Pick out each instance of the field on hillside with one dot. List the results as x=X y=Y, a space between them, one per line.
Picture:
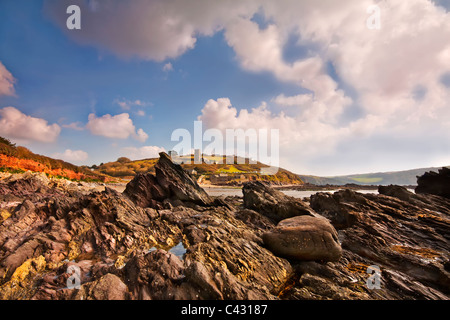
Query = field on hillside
x=237 y=172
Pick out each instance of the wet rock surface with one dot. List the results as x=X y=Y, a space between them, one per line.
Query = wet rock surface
x=123 y=245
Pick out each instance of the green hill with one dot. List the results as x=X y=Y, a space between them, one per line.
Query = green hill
x=406 y=178
x=208 y=172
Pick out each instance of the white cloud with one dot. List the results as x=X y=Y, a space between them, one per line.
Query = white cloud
x=261 y=50
x=7 y=82
x=119 y=127
x=141 y=135
x=127 y=104
x=76 y=156
x=145 y=152
x=294 y=132
x=168 y=67
x=150 y=30
x=23 y=128
x=298 y=100
x=78 y=126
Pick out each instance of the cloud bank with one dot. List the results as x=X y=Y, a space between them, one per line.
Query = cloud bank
x=363 y=92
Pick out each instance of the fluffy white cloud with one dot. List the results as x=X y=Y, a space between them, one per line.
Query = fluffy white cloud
x=119 y=127
x=23 y=128
x=145 y=152
x=293 y=131
x=69 y=155
x=141 y=135
x=7 y=82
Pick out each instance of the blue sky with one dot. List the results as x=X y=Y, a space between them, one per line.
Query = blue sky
x=297 y=75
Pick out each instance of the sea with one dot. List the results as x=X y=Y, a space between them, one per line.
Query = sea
x=230 y=191
x=217 y=191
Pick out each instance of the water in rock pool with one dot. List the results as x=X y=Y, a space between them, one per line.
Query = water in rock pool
x=179 y=250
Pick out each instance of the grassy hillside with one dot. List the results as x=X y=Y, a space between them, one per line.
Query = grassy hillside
x=17 y=159
x=407 y=177
x=236 y=173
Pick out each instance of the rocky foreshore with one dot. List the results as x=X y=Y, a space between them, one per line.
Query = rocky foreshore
x=164 y=237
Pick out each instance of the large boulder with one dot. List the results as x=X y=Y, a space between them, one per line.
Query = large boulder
x=272 y=203
x=170 y=182
x=435 y=183
x=304 y=238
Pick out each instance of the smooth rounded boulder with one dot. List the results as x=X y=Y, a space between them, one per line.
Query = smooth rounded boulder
x=304 y=238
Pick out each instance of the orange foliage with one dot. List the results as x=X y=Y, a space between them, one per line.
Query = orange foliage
x=31 y=165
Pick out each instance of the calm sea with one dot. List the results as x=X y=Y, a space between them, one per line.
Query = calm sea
x=293 y=193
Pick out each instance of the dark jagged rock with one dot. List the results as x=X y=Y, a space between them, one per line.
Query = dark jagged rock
x=171 y=182
x=158 y=275
x=26 y=185
x=178 y=183
x=331 y=207
x=396 y=191
x=304 y=238
x=145 y=191
x=435 y=183
x=272 y=203
x=405 y=234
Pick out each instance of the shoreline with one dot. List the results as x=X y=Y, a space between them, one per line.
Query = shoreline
x=308 y=187
x=120 y=186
